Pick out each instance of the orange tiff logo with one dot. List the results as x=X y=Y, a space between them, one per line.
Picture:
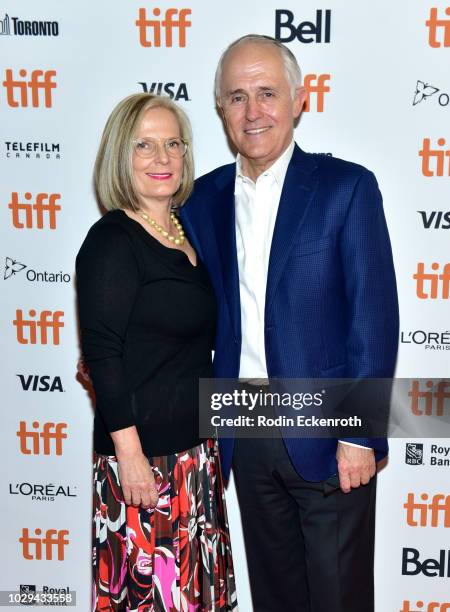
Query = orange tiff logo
x=34 y=547
x=426 y=513
x=420 y=606
x=150 y=29
x=315 y=85
x=438 y=29
x=33 y=214
x=433 y=400
x=48 y=321
x=434 y=160
x=429 y=283
x=51 y=435
x=39 y=81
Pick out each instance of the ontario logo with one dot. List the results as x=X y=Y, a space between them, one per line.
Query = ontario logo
x=424 y=91
x=13 y=267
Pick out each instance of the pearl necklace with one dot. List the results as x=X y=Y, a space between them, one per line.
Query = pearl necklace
x=179 y=240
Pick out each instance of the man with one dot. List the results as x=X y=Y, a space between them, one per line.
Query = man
x=298 y=251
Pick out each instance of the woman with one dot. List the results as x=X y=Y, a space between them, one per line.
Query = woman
x=147 y=318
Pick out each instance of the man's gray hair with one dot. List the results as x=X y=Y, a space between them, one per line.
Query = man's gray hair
x=293 y=72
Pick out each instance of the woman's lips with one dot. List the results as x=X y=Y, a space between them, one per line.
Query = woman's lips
x=159 y=176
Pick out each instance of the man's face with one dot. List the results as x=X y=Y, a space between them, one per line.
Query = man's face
x=257 y=105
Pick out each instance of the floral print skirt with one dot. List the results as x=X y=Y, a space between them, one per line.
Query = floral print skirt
x=175 y=557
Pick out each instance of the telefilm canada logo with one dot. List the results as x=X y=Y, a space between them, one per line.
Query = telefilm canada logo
x=16 y=26
x=14 y=267
x=175 y=91
x=22 y=149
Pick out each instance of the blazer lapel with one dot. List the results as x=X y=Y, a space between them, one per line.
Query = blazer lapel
x=223 y=217
x=298 y=190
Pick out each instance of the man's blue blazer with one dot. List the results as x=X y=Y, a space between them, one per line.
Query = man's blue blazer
x=331 y=300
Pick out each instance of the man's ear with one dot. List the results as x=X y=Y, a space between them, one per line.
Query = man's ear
x=222 y=112
x=300 y=97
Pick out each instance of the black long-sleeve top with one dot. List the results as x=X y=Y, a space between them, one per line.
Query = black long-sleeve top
x=147 y=319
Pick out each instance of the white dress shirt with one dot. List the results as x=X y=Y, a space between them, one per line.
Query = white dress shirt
x=256 y=210
x=256 y=206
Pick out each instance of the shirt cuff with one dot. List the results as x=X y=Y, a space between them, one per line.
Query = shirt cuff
x=351 y=444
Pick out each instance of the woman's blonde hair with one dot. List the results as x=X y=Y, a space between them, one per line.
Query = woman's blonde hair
x=113 y=174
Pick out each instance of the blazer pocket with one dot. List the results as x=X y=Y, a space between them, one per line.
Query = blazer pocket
x=313 y=246
x=335 y=371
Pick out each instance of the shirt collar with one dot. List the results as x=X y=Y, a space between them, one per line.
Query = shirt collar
x=278 y=169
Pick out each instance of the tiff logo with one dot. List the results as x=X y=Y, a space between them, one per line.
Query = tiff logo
x=438 y=156
x=44 y=205
x=426 y=402
x=315 y=85
x=168 y=24
x=34 y=547
x=438 y=26
x=428 y=514
x=39 y=81
x=48 y=321
x=433 y=606
x=432 y=280
x=52 y=434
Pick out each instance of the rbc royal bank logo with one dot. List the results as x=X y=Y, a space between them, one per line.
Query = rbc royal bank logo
x=158 y=31
x=414 y=453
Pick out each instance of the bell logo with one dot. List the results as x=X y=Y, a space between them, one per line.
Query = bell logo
x=305 y=32
x=315 y=85
x=50 y=432
x=439 y=167
x=48 y=320
x=33 y=547
x=420 y=606
x=438 y=29
x=431 y=568
x=39 y=81
x=43 y=207
x=168 y=24
x=434 y=403
x=434 y=513
x=431 y=281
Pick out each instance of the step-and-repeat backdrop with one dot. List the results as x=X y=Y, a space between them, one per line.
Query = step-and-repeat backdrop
x=379 y=88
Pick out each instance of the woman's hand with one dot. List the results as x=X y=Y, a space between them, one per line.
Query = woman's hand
x=137 y=481
x=83 y=370
x=135 y=474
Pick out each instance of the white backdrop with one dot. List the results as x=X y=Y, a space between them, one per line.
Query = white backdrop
x=371 y=61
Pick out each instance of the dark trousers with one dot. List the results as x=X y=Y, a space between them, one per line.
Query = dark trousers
x=306 y=551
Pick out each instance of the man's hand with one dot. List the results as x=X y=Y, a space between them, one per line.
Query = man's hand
x=356 y=466
x=137 y=481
